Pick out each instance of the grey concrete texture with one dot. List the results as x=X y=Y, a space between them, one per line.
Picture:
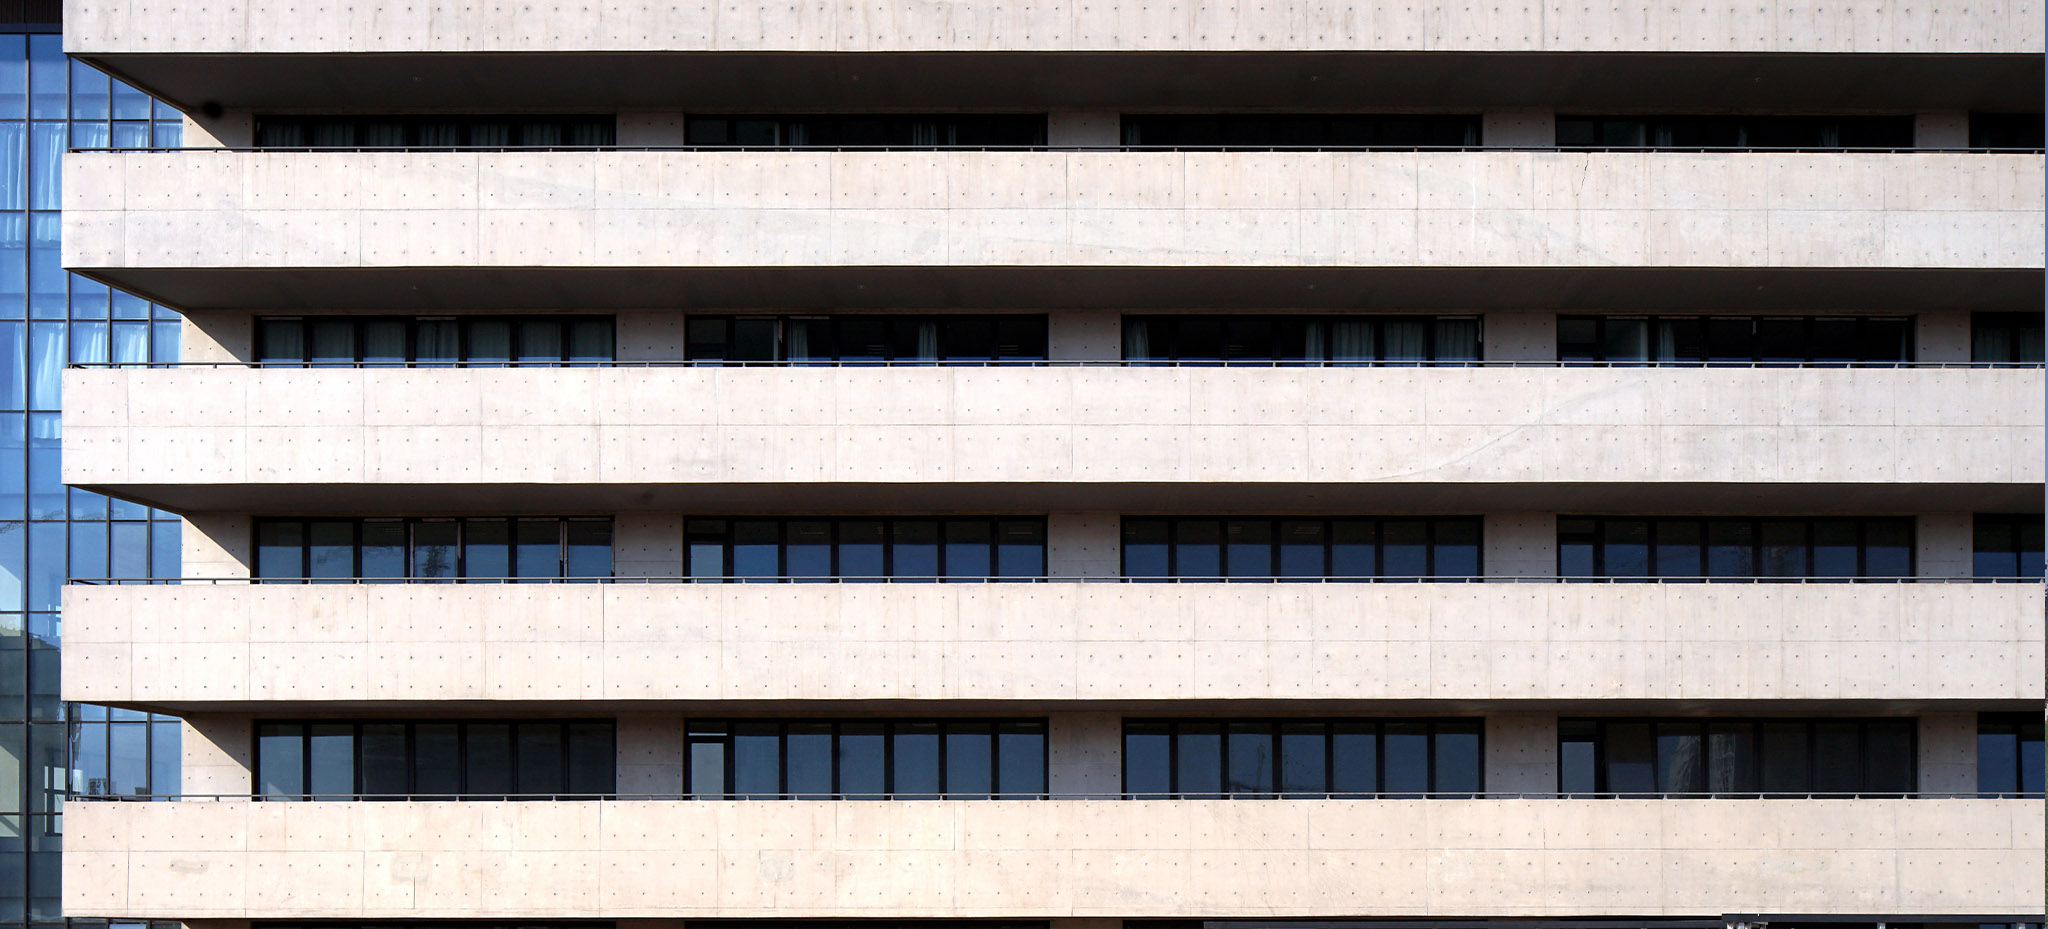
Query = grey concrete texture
x=140 y=26
x=1060 y=425
x=1073 y=209
x=199 y=646
x=1038 y=859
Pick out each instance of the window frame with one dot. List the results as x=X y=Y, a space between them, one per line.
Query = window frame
x=462 y=773
x=1758 y=765
x=466 y=326
x=411 y=524
x=1756 y=356
x=1567 y=537
x=2027 y=727
x=1435 y=527
x=1038 y=350
x=698 y=732
x=888 y=545
x=1169 y=326
x=1276 y=730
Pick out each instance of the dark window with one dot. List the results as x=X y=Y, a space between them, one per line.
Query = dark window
x=1222 y=547
x=397 y=549
x=966 y=548
x=430 y=342
x=436 y=131
x=866 y=759
x=2009 y=754
x=893 y=130
x=1686 y=132
x=2006 y=130
x=1734 y=547
x=934 y=338
x=1300 y=130
x=1736 y=757
x=1302 y=757
x=391 y=760
x=2007 y=546
x=1302 y=339
x=2005 y=338
x=1838 y=340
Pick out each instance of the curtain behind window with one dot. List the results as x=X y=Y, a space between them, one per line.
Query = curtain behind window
x=1457 y=340
x=1406 y=340
x=1351 y=340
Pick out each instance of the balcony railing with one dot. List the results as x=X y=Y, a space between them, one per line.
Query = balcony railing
x=983 y=579
x=1062 y=363
x=1490 y=149
x=1103 y=797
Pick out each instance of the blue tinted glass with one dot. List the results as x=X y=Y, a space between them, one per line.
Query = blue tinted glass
x=861 y=754
x=1303 y=754
x=860 y=549
x=486 y=548
x=13 y=77
x=1404 y=548
x=89 y=549
x=1144 y=548
x=130 y=306
x=13 y=565
x=1148 y=764
x=130 y=342
x=13 y=467
x=1251 y=758
x=128 y=135
x=87 y=505
x=13 y=386
x=163 y=341
x=168 y=134
x=914 y=548
x=1354 y=759
x=88 y=91
x=13 y=245
x=756 y=549
x=1457 y=758
x=45 y=364
x=1200 y=766
x=130 y=103
x=915 y=760
x=756 y=759
x=88 y=342
x=809 y=756
x=1406 y=748
x=47 y=142
x=1197 y=549
x=45 y=565
x=46 y=67
x=1997 y=759
x=1020 y=758
x=164 y=775
x=809 y=549
x=129 y=551
x=45 y=481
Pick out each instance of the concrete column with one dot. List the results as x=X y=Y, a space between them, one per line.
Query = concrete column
x=1521 y=753
x=1519 y=335
x=1084 y=753
x=1941 y=337
x=215 y=335
x=1518 y=128
x=650 y=754
x=647 y=545
x=1944 y=542
x=216 y=754
x=648 y=335
x=231 y=129
x=1519 y=545
x=1082 y=545
x=1083 y=129
x=217 y=545
x=1947 y=129
x=1948 y=753
x=1084 y=335
x=651 y=129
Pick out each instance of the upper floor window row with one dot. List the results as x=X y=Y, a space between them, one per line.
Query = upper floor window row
x=2009 y=754
x=1213 y=548
x=1272 y=338
x=1734 y=131
x=1302 y=757
x=1736 y=339
x=866 y=759
x=869 y=130
x=434 y=341
x=2006 y=130
x=394 y=759
x=1734 y=547
x=393 y=550
x=1737 y=756
x=2006 y=338
x=2007 y=545
x=435 y=131
x=866 y=548
x=931 y=338
x=1301 y=130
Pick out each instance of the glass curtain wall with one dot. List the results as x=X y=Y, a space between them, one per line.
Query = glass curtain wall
x=48 y=318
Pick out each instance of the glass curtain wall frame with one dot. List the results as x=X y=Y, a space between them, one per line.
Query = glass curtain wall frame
x=48 y=533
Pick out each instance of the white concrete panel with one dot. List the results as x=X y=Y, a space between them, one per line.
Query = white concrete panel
x=753 y=209
x=187 y=645
x=1026 y=859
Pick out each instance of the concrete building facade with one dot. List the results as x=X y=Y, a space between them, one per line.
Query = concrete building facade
x=1073 y=466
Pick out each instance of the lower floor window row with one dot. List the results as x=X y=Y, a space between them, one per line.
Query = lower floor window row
x=1302 y=757
x=1737 y=756
x=391 y=759
x=866 y=759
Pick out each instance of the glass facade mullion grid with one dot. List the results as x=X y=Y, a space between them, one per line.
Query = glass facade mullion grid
x=48 y=532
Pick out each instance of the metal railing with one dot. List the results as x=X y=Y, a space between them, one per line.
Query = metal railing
x=1566 y=149
x=565 y=796
x=1046 y=363
x=990 y=579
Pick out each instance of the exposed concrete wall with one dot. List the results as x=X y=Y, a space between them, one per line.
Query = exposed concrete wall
x=1083 y=545
x=1037 y=859
x=647 y=545
x=218 y=753
x=1942 y=337
x=1084 y=335
x=214 y=335
x=1082 y=426
x=1519 y=545
x=649 y=335
x=1084 y=128
x=118 y=26
x=1518 y=128
x=1084 y=753
x=1941 y=130
x=651 y=128
x=217 y=545
x=1948 y=753
x=1946 y=543
x=186 y=645
x=1519 y=335
x=1038 y=209
x=1521 y=753
x=650 y=754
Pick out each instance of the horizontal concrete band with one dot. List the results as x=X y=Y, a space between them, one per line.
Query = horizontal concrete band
x=796 y=426
x=137 y=26
x=240 y=860
x=194 y=646
x=230 y=210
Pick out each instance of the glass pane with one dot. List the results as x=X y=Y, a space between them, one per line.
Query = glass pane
x=1887 y=548
x=1199 y=769
x=332 y=550
x=331 y=340
x=914 y=548
x=1456 y=552
x=437 y=759
x=541 y=767
x=590 y=548
x=1354 y=758
x=707 y=768
x=1145 y=548
x=862 y=761
x=280 y=759
x=540 y=340
x=1888 y=757
x=1197 y=548
x=1678 y=548
x=1251 y=758
x=1406 y=748
x=1301 y=545
x=1784 y=549
x=1248 y=548
x=1784 y=752
x=1838 y=757
x=489 y=341
x=860 y=549
x=1680 y=767
x=433 y=549
x=383 y=548
x=1578 y=756
x=487 y=759
x=1354 y=548
x=809 y=750
x=385 y=772
x=1731 y=757
x=486 y=548
x=1148 y=759
x=915 y=761
x=1457 y=765
x=590 y=340
x=1834 y=548
x=384 y=341
x=1020 y=759
x=281 y=340
x=756 y=760
x=968 y=548
x=1625 y=548
x=592 y=759
x=539 y=547
x=1404 y=548
x=280 y=549
x=1631 y=758
x=1303 y=756
x=970 y=759
x=1731 y=548
x=1020 y=548
x=331 y=763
